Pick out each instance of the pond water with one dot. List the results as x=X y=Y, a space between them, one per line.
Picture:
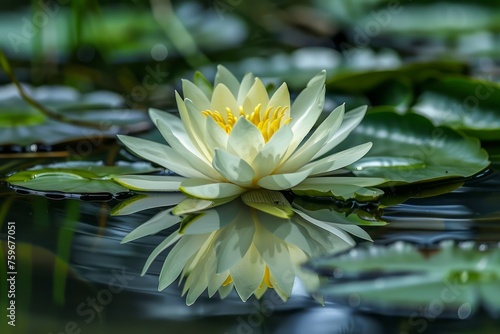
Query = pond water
x=74 y=276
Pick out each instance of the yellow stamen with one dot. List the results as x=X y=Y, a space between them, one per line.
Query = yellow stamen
x=268 y=122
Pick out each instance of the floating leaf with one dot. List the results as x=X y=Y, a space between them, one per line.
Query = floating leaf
x=22 y=124
x=363 y=82
x=452 y=281
x=408 y=148
x=471 y=106
x=77 y=177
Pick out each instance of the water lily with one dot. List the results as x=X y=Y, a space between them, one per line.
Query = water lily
x=232 y=137
x=235 y=246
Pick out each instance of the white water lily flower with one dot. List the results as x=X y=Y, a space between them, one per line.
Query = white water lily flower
x=234 y=137
x=236 y=246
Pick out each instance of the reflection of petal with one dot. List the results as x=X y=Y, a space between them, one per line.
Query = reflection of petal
x=205 y=189
x=143 y=202
x=247 y=275
x=328 y=227
x=235 y=245
x=178 y=256
x=275 y=252
x=160 y=221
x=234 y=241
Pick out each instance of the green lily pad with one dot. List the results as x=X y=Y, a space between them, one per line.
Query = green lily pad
x=366 y=81
x=452 y=281
x=77 y=177
x=471 y=106
x=408 y=148
x=22 y=124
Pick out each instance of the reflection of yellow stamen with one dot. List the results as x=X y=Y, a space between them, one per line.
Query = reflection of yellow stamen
x=268 y=123
x=228 y=281
x=267 y=278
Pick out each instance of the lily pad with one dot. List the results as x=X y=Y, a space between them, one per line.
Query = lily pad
x=408 y=148
x=471 y=106
x=22 y=124
x=366 y=81
x=77 y=177
x=452 y=281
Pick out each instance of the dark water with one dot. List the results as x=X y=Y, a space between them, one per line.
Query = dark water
x=73 y=276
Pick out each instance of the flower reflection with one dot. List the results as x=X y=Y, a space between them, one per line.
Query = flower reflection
x=248 y=248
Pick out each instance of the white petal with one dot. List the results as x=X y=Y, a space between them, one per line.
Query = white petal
x=351 y=120
x=338 y=160
x=295 y=162
x=245 y=86
x=176 y=126
x=158 y=222
x=271 y=155
x=281 y=98
x=310 y=147
x=216 y=136
x=271 y=202
x=150 y=182
x=203 y=84
x=197 y=129
x=195 y=94
x=194 y=123
x=283 y=181
x=245 y=140
x=160 y=154
x=256 y=95
x=196 y=161
x=224 y=76
x=205 y=189
x=233 y=168
x=306 y=109
x=223 y=99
